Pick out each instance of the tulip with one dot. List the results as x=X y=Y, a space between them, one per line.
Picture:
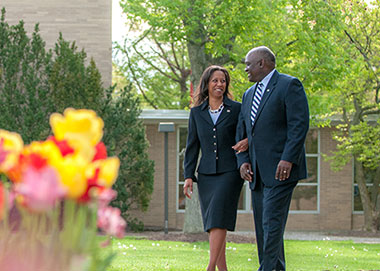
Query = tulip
x=11 y=145
x=105 y=171
x=81 y=128
x=40 y=189
x=2 y=199
x=105 y=196
x=71 y=170
x=3 y=152
x=111 y=222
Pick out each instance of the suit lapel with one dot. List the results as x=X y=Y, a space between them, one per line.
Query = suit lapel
x=267 y=93
x=205 y=114
x=225 y=112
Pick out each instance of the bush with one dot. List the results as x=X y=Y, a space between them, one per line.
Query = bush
x=125 y=138
x=25 y=93
x=35 y=82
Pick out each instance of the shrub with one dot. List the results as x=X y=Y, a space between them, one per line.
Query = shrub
x=35 y=82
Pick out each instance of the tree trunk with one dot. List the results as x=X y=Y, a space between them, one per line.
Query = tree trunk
x=196 y=43
x=376 y=198
x=198 y=62
x=193 y=217
x=370 y=218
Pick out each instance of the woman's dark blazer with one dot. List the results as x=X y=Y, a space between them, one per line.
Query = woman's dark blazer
x=214 y=141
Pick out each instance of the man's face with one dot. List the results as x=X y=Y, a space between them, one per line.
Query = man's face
x=253 y=66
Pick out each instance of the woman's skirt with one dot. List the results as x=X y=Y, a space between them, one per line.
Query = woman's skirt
x=219 y=196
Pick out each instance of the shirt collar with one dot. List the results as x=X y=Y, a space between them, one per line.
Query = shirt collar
x=266 y=79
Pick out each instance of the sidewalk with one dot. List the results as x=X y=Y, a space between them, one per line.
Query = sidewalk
x=249 y=236
x=325 y=236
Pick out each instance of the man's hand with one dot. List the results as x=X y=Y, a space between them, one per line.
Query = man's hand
x=241 y=146
x=246 y=172
x=188 y=187
x=283 y=170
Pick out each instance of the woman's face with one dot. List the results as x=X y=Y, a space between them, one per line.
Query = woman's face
x=217 y=85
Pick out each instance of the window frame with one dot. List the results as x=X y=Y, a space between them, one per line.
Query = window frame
x=180 y=180
x=318 y=183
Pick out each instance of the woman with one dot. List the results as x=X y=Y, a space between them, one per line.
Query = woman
x=212 y=128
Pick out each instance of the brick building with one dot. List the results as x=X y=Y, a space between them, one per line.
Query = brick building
x=327 y=200
x=87 y=22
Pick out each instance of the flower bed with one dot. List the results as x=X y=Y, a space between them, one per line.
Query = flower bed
x=61 y=190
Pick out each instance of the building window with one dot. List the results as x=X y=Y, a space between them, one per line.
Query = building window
x=306 y=194
x=305 y=197
x=181 y=147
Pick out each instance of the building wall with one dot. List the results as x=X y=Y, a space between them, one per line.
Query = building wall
x=87 y=22
x=335 y=211
x=154 y=217
x=335 y=195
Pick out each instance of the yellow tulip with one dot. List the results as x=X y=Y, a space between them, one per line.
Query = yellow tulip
x=46 y=149
x=13 y=145
x=108 y=171
x=72 y=169
x=82 y=128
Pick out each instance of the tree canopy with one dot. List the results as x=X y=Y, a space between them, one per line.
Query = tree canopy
x=332 y=46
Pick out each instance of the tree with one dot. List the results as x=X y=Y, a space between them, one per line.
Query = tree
x=360 y=102
x=125 y=137
x=213 y=31
x=350 y=28
x=330 y=45
x=159 y=70
x=25 y=94
x=35 y=83
x=72 y=82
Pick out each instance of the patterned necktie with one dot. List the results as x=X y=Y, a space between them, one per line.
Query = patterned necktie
x=256 y=101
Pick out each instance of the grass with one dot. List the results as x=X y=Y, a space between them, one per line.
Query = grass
x=141 y=254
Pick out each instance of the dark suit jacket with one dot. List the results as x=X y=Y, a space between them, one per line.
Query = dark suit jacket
x=214 y=141
x=279 y=130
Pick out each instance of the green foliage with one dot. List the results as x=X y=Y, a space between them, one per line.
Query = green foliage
x=73 y=83
x=363 y=142
x=125 y=137
x=222 y=32
x=158 y=69
x=135 y=225
x=25 y=103
x=35 y=83
x=348 y=64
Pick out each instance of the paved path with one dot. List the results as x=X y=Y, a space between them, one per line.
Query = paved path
x=323 y=236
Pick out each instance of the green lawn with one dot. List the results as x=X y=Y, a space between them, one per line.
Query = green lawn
x=142 y=254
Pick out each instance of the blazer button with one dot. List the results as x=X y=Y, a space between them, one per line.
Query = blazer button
x=214 y=150
x=214 y=136
x=214 y=143
x=216 y=158
x=214 y=129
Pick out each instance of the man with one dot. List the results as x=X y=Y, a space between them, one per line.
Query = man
x=275 y=118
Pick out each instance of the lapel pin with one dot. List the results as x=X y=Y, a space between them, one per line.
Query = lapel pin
x=228 y=110
x=268 y=90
